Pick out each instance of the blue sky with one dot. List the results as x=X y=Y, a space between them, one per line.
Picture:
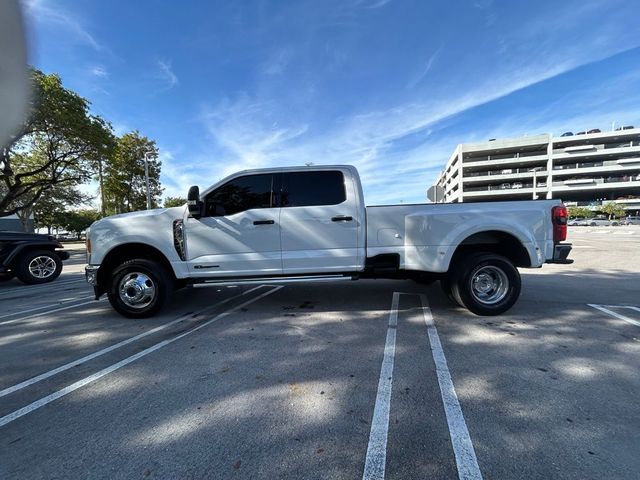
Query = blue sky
x=391 y=86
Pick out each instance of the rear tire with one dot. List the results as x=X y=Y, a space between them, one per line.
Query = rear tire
x=445 y=285
x=38 y=266
x=139 y=288
x=486 y=283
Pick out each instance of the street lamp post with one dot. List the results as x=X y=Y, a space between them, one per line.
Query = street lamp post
x=146 y=177
x=535 y=171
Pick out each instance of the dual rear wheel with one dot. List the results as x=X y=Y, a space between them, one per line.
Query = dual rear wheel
x=484 y=283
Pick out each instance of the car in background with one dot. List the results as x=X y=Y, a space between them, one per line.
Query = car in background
x=567 y=134
x=631 y=220
x=66 y=236
x=594 y=130
x=578 y=222
x=31 y=257
x=581 y=133
x=516 y=185
x=601 y=221
x=625 y=127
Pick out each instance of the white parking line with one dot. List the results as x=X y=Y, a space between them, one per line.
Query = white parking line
x=465 y=454
x=92 y=378
x=615 y=314
x=35 y=315
x=42 y=307
x=106 y=350
x=376 y=459
x=375 y=462
x=629 y=307
x=31 y=288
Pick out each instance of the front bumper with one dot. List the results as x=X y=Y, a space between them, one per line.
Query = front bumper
x=64 y=255
x=560 y=253
x=91 y=274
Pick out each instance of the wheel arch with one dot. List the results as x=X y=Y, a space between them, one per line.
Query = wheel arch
x=494 y=241
x=129 y=251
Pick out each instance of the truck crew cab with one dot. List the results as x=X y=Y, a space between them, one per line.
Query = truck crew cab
x=311 y=224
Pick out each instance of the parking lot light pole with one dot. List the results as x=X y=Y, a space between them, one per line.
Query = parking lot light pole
x=146 y=177
x=535 y=171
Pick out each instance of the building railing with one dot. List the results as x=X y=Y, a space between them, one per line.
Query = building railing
x=504 y=156
x=599 y=180
x=597 y=147
x=506 y=186
x=504 y=171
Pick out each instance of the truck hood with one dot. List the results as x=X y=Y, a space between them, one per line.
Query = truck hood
x=153 y=228
x=132 y=217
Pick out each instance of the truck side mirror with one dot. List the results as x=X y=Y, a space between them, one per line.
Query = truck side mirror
x=193 y=202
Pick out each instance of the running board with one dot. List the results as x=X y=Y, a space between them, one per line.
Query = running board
x=271 y=280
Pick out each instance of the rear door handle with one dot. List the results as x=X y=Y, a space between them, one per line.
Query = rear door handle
x=341 y=218
x=263 y=222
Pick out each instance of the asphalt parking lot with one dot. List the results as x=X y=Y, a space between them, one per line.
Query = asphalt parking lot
x=367 y=379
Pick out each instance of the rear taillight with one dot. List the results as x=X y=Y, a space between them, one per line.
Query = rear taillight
x=559 y=218
x=88 y=243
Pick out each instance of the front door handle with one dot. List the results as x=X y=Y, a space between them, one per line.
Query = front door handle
x=341 y=218
x=263 y=222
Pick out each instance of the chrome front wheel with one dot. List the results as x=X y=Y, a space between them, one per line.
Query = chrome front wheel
x=137 y=290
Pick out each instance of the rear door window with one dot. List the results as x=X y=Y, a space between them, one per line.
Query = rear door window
x=303 y=189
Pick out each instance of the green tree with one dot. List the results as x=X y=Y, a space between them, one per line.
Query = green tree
x=50 y=210
x=57 y=146
x=124 y=175
x=174 y=202
x=613 y=210
x=77 y=221
x=579 y=212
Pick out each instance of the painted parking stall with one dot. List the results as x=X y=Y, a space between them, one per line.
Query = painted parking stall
x=370 y=379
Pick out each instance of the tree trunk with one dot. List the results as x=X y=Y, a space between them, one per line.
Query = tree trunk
x=24 y=215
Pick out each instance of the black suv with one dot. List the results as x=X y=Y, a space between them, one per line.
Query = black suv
x=31 y=257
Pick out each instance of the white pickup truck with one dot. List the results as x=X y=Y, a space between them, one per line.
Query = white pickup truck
x=311 y=224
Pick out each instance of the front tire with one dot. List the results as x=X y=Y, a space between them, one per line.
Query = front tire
x=486 y=283
x=38 y=266
x=139 y=288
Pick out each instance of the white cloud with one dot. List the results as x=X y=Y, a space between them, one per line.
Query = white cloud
x=417 y=79
x=248 y=133
x=166 y=73
x=251 y=133
x=278 y=61
x=43 y=12
x=98 y=71
x=377 y=3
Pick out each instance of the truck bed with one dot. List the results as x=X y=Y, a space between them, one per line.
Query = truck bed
x=422 y=234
